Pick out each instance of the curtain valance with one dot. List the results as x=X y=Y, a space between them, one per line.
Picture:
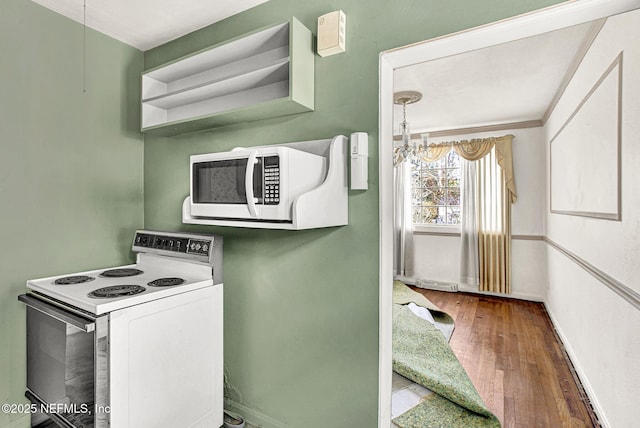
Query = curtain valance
x=475 y=149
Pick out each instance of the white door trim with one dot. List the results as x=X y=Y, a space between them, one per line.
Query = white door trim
x=537 y=22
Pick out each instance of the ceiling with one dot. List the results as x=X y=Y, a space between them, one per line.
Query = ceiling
x=507 y=83
x=145 y=24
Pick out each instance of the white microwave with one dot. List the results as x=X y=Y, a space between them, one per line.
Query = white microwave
x=253 y=184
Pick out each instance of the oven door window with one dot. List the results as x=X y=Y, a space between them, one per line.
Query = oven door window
x=60 y=367
x=223 y=182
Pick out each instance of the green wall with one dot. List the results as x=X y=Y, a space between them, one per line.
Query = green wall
x=70 y=163
x=301 y=308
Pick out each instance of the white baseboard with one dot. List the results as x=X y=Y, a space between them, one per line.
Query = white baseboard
x=579 y=370
x=450 y=287
x=252 y=416
x=514 y=295
x=429 y=284
x=405 y=279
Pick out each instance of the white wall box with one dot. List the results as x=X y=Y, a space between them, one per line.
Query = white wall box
x=332 y=33
x=267 y=73
x=325 y=206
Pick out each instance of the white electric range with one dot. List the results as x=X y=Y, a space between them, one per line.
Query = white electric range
x=131 y=346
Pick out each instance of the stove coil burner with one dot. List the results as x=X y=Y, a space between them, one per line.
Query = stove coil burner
x=166 y=282
x=120 y=273
x=116 y=291
x=77 y=279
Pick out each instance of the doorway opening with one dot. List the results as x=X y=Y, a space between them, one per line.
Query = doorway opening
x=528 y=25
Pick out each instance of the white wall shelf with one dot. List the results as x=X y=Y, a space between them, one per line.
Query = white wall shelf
x=325 y=206
x=265 y=74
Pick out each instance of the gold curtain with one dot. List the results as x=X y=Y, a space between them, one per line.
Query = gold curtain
x=474 y=149
x=494 y=224
x=504 y=157
x=433 y=152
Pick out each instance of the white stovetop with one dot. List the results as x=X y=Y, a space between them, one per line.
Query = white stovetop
x=154 y=267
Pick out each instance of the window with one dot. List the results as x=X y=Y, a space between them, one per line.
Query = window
x=435 y=190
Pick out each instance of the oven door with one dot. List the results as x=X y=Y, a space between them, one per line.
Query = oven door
x=62 y=358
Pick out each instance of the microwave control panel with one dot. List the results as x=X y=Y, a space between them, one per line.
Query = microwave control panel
x=271 y=180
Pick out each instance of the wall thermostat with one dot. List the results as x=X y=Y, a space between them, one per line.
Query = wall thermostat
x=332 y=33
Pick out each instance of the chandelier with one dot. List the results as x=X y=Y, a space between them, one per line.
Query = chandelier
x=408 y=148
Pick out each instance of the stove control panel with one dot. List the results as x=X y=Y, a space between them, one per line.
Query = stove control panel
x=193 y=247
x=176 y=244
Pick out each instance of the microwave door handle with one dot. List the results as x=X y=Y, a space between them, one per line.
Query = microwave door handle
x=248 y=184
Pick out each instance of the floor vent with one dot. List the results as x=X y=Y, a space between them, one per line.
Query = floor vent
x=437 y=285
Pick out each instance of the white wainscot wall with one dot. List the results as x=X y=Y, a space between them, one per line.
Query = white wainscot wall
x=438 y=258
x=600 y=332
x=611 y=246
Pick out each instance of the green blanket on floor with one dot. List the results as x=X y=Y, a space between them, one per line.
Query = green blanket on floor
x=421 y=354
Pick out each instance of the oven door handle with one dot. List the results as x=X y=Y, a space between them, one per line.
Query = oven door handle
x=58 y=313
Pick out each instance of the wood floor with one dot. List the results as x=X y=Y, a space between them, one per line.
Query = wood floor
x=515 y=360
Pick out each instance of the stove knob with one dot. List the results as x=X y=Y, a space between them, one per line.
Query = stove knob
x=198 y=246
x=205 y=248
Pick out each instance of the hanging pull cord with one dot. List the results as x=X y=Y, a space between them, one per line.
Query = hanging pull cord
x=84 y=46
